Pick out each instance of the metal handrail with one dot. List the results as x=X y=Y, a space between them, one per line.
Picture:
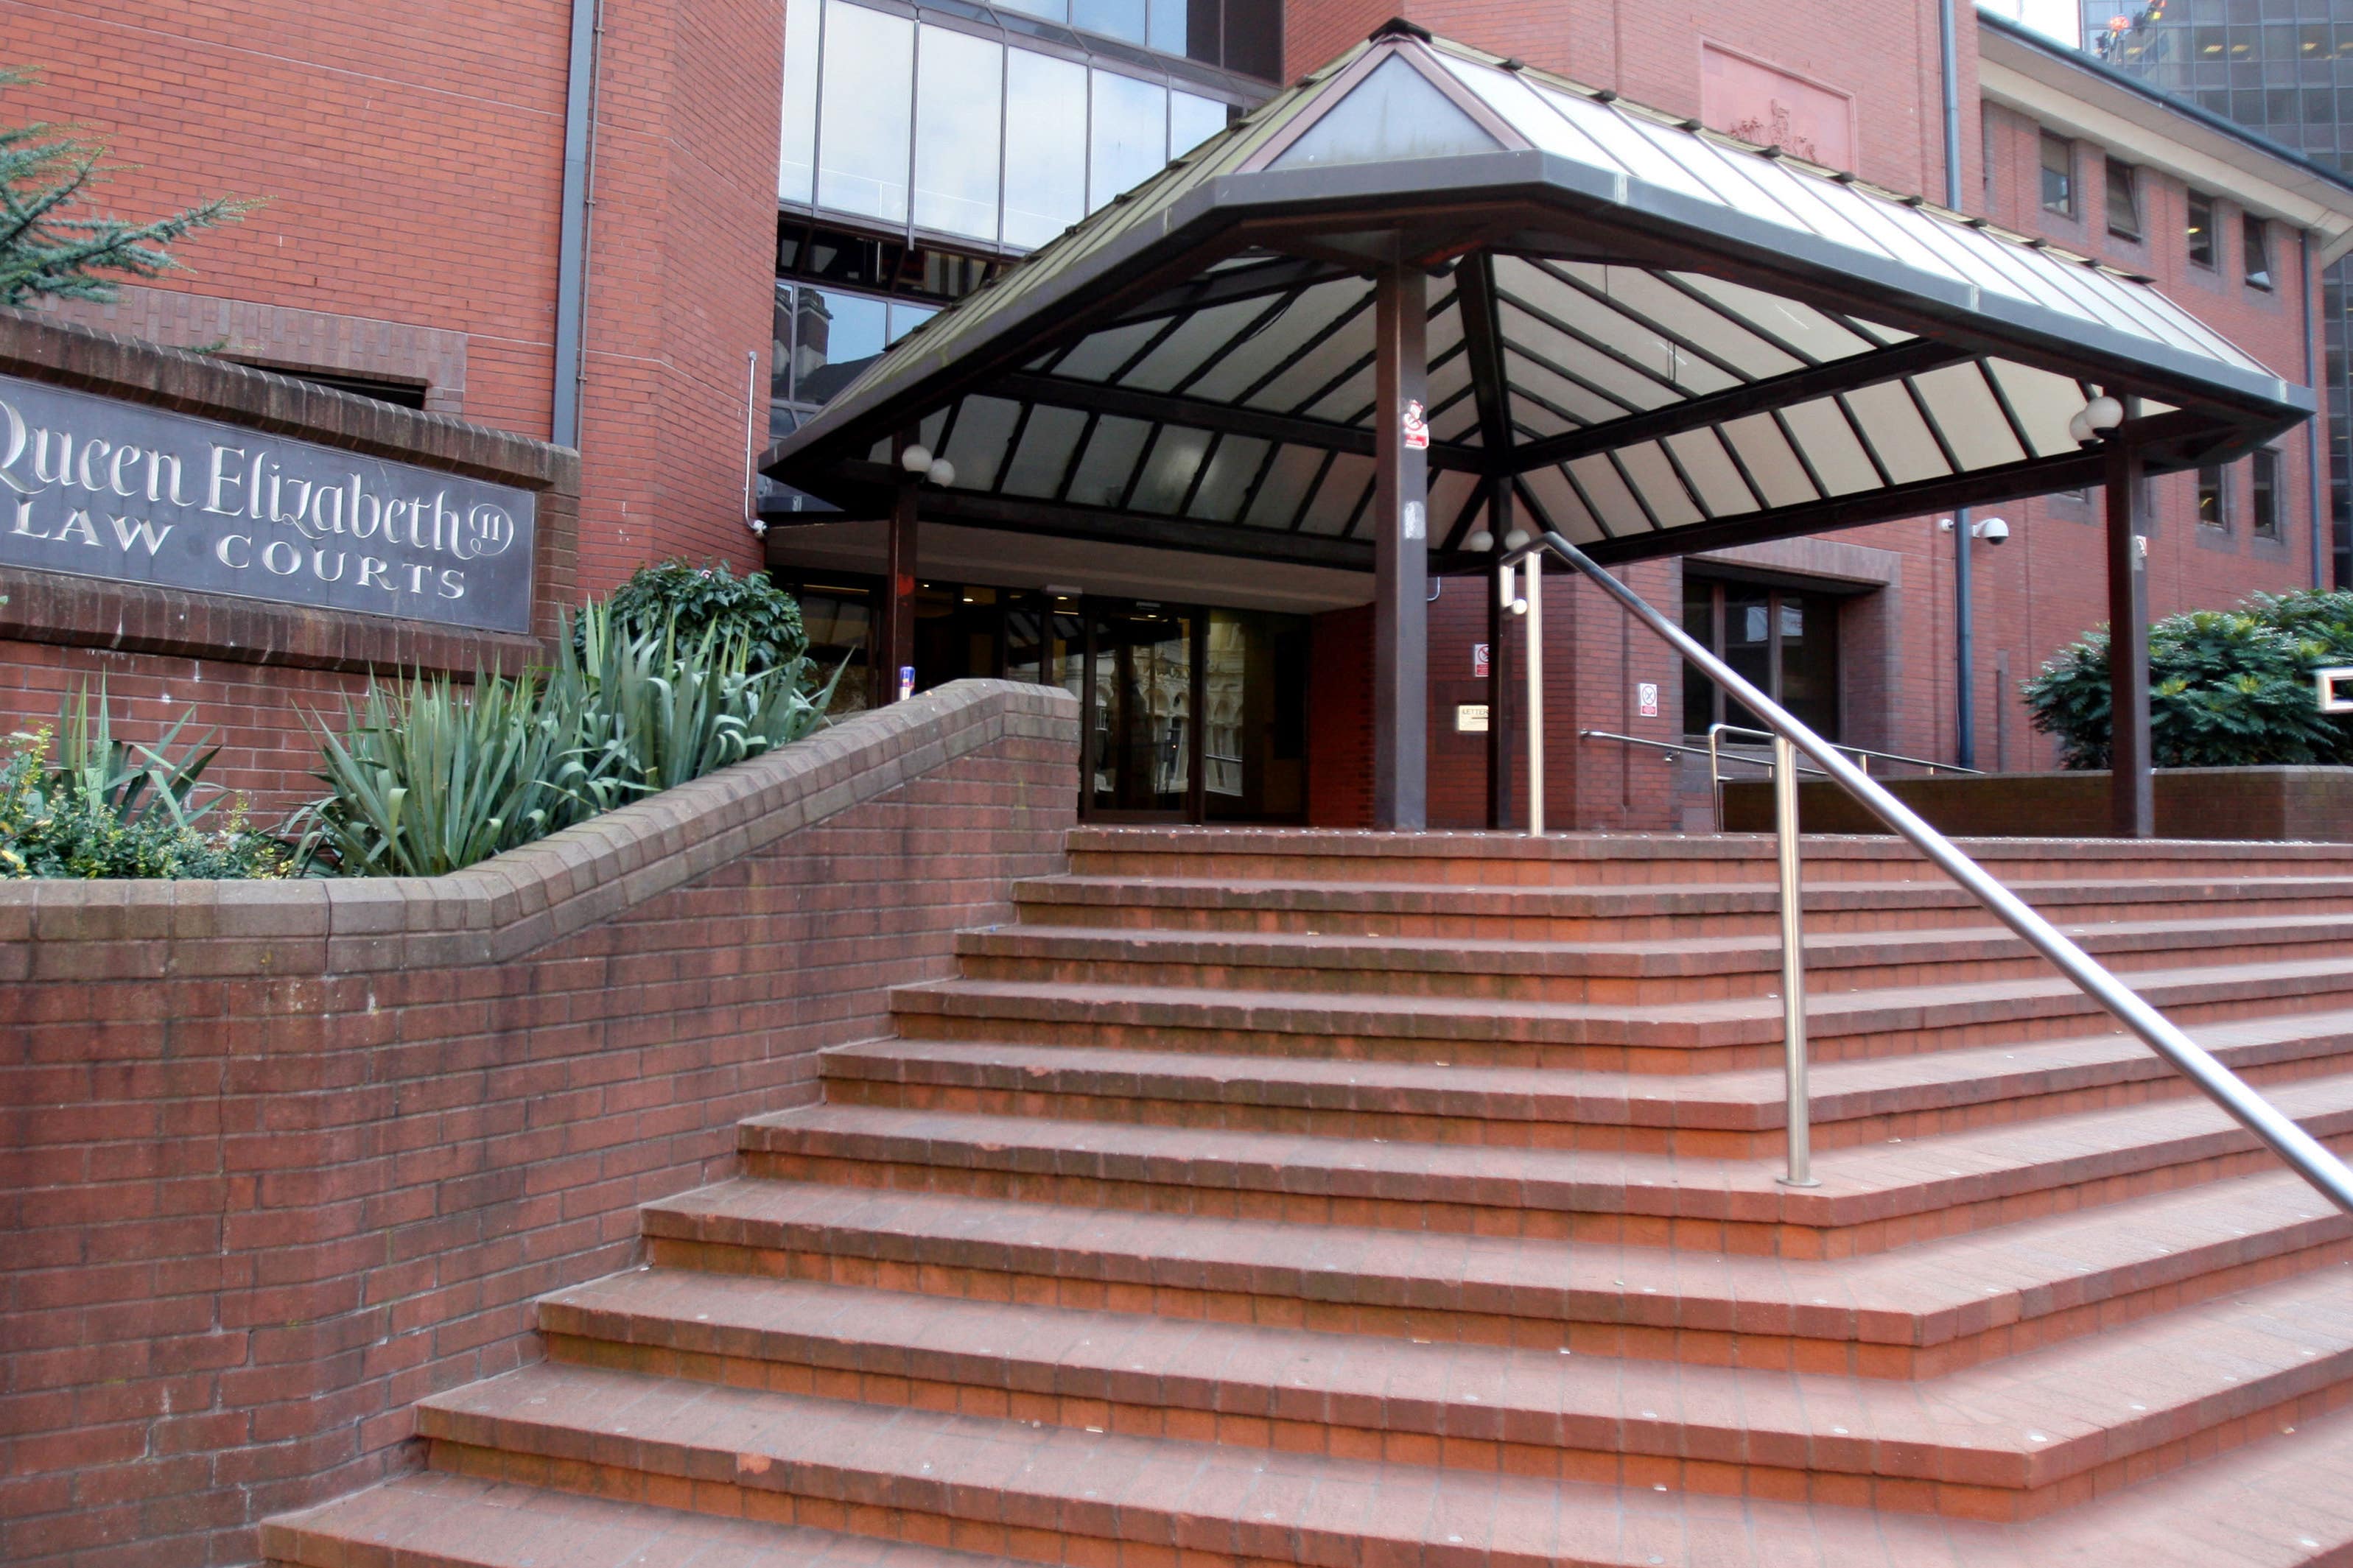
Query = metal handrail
x=2304 y=1153
x=1766 y=735
x=1687 y=751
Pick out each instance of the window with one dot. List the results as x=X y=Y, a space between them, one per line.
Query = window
x=2265 y=468
x=959 y=102
x=2058 y=174
x=2201 y=229
x=1778 y=638
x=2255 y=244
x=1045 y=147
x=2213 y=497
x=824 y=337
x=866 y=113
x=2124 y=202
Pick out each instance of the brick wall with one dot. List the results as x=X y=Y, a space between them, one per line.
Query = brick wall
x=423 y=192
x=282 y=1158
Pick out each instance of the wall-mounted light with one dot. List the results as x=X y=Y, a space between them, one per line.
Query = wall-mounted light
x=917 y=459
x=1481 y=542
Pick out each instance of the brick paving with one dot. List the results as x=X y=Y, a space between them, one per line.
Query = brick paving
x=1327 y=1198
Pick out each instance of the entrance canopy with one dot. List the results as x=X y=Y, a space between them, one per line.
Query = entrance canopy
x=1653 y=338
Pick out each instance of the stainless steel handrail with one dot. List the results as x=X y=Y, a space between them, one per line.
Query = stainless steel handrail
x=1687 y=751
x=2303 y=1152
x=1766 y=736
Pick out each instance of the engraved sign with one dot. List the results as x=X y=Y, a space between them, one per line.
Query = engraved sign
x=134 y=493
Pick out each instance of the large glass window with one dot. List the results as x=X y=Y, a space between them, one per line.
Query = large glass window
x=824 y=337
x=1045 y=147
x=1113 y=18
x=1781 y=641
x=1128 y=135
x=959 y=102
x=865 y=114
x=1192 y=120
x=796 y=153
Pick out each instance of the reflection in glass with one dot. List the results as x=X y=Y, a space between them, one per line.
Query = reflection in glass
x=959 y=97
x=1253 y=716
x=1128 y=139
x=1167 y=32
x=837 y=334
x=1046 y=10
x=1045 y=147
x=798 y=145
x=1192 y=120
x=1143 y=718
x=866 y=116
x=1114 y=19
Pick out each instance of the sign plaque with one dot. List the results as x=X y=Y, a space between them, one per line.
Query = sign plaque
x=134 y=493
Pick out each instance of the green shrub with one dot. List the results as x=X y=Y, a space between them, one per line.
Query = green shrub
x=106 y=808
x=695 y=599
x=2227 y=688
x=431 y=775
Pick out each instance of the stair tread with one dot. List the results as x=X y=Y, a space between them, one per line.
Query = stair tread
x=1313 y=1509
x=2027 y=1420
x=1928 y=1293
x=1858 y=1182
x=1676 y=953
x=1852 y=1087
x=464 y=1522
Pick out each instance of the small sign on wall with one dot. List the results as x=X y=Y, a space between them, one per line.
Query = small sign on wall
x=1646 y=698
x=1479 y=656
x=1470 y=718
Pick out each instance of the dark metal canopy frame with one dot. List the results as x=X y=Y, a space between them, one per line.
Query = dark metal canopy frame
x=1427 y=289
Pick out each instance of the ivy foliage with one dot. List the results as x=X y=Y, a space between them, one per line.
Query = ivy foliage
x=2227 y=688
x=46 y=250
x=103 y=808
x=692 y=600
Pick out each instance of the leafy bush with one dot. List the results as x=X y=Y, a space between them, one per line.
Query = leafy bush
x=693 y=600
x=429 y=776
x=2227 y=688
x=107 y=809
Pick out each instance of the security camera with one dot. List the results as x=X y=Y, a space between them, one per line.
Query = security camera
x=1993 y=530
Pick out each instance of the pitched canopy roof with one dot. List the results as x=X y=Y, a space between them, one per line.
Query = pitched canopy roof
x=1664 y=339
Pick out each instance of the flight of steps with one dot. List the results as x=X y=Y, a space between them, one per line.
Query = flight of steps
x=1296 y=1197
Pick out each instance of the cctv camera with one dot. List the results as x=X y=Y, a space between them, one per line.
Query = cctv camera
x=1993 y=530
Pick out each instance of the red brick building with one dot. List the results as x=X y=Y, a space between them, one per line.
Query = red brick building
x=411 y=247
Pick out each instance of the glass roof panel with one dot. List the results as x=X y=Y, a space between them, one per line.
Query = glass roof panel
x=1688 y=319
x=1348 y=402
x=1526 y=112
x=1110 y=459
x=1656 y=354
x=1168 y=469
x=1570 y=403
x=1645 y=464
x=1280 y=493
x=1627 y=147
x=1762 y=449
x=2045 y=402
x=1906 y=447
x=1345 y=484
x=1828 y=442
x=1966 y=416
x=1450 y=492
x=1545 y=342
x=1044 y=454
x=1798 y=329
x=1550 y=490
x=1394 y=113
x=1096 y=355
x=1307 y=376
x=1450 y=380
x=1280 y=338
x=1203 y=333
x=976 y=445
x=1722 y=174
x=1712 y=472
x=1232 y=468
x=1612 y=501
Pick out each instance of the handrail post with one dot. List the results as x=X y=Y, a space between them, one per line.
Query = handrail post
x=1715 y=774
x=1533 y=592
x=1793 y=963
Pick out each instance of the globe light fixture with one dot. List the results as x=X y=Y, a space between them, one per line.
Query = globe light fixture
x=1514 y=539
x=940 y=472
x=1480 y=543
x=916 y=458
x=2103 y=413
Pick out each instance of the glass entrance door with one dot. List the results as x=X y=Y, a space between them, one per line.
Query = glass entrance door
x=1144 y=749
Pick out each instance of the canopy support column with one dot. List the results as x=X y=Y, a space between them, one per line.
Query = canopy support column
x=1499 y=686
x=2131 y=794
x=1401 y=551
x=894 y=670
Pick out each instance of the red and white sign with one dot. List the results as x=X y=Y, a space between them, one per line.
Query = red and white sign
x=1417 y=425
x=1479 y=661
x=1646 y=698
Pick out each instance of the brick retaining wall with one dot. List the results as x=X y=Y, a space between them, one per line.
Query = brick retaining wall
x=283 y=1157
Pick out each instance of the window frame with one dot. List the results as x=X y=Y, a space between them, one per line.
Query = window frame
x=2068 y=203
x=2214 y=478
x=2120 y=174
x=2192 y=231
x=2255 y=250
x=2267 y=509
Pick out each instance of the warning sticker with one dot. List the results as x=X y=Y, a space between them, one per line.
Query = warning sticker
x=1417 y=425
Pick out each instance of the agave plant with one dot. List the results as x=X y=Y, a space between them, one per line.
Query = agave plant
x=432 y=775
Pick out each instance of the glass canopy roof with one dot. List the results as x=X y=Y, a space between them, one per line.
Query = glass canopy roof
x=1660 y=338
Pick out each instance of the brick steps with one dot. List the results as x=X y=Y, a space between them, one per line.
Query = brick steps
x=1700 y=1036
x=2004 y=1440
x=440 y=1520
x=1728 y=1115
x=1630 y=913
x=1666 y=969
x=1921 y=1311
x=1868 y=1197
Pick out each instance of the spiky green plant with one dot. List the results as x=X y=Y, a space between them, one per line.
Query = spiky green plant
x=430 y=776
